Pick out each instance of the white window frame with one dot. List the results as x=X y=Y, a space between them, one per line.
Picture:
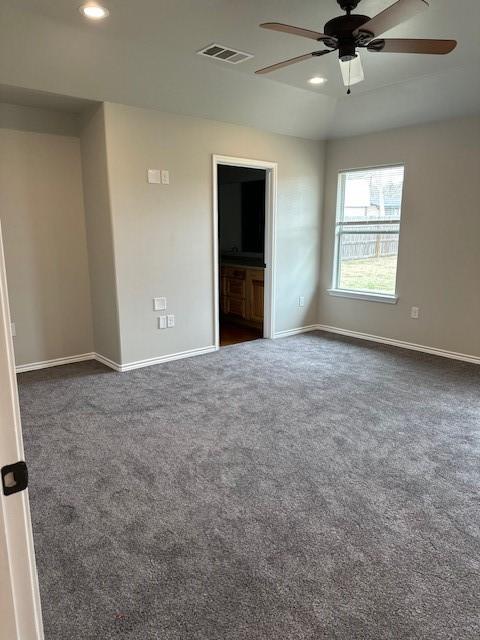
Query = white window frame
x=370 y=296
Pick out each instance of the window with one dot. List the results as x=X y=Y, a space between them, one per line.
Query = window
x=367 y=232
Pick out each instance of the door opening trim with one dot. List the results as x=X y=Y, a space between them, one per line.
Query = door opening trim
x=271 y=169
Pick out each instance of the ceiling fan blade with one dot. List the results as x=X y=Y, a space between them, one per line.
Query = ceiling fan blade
x=352 y=71
x=408 y=45
x=287 y=63
x=392 y=16
x=295 y=31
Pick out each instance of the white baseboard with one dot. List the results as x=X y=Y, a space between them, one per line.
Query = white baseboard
x=129 y=366
x=56 y=362
x=294 y=332
x=464 y=357
x=107 y=362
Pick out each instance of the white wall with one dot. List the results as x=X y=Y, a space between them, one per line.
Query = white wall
x=163 y=234
x=42 y=215
x=439 y=254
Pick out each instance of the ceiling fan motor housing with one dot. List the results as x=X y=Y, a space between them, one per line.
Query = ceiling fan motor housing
x=342 y=29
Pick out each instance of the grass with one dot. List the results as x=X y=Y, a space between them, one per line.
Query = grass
x=369 y=274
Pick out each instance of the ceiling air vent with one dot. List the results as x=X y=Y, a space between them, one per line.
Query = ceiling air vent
x=225 y=54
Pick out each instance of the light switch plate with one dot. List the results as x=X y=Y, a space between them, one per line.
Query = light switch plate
x=414 y=312
x=159 y=304
x=301 y=301
x=162 y=322
x=170 y=321
x=153 y=176
x=165 y=176
x=13 y=329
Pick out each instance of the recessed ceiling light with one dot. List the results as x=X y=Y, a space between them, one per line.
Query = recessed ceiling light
x=317 y=80
x=93 y=11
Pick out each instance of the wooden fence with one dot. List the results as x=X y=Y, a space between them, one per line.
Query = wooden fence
x=366 y=246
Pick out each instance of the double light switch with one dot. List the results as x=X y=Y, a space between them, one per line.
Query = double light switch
x=157 y=176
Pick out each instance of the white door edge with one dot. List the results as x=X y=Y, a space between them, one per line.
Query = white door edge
x=20 y=610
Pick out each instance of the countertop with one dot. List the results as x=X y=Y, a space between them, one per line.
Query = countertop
x=239 y=261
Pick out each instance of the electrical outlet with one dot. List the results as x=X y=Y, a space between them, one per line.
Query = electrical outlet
x=414 y=312
x=162 y=322
x=301 y=301
x=159 y=304
x=170 y=321
x=165 y=176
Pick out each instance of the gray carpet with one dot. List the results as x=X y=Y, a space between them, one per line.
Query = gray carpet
x=312 y=487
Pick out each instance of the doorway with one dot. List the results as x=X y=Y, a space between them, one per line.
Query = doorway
x=244 y=215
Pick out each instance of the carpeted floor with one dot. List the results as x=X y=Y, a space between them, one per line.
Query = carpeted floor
x=311 y=487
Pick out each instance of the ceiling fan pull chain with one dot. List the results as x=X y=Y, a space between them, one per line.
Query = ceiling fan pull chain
x=349 y=72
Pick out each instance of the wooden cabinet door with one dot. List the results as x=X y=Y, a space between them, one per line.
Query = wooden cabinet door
x=223 y=304
x=255 y=296
x=223 y=286
x=235 y=307
x=235 y=288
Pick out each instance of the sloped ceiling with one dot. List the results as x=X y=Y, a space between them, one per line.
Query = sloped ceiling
x=144 y=55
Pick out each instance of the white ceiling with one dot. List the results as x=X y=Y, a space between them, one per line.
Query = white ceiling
x=144 y=54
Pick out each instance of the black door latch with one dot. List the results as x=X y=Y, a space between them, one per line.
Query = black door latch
x=14 y=478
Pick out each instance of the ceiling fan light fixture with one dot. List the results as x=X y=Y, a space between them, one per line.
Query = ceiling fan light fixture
x=352 y=71
x=347 y=50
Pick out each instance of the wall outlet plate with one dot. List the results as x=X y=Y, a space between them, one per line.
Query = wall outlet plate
x=301 y=301
x=170 y=321
x=414 y=312
x=165 y=176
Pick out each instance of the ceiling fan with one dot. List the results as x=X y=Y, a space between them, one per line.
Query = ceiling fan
x=347 y=33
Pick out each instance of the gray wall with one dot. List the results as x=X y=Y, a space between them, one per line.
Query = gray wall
x=439 y=254
x=42 y=215
x=101 y=256
x=163 y=234
x=35 y=119
x=231 y=216
x=156 y=240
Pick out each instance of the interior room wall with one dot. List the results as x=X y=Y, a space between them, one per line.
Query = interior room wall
x=163 y=233
x=39 y=120
x=42 y=216
x=231 y=203
x=439 y=256
x=101 y=255
x=230 y=200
